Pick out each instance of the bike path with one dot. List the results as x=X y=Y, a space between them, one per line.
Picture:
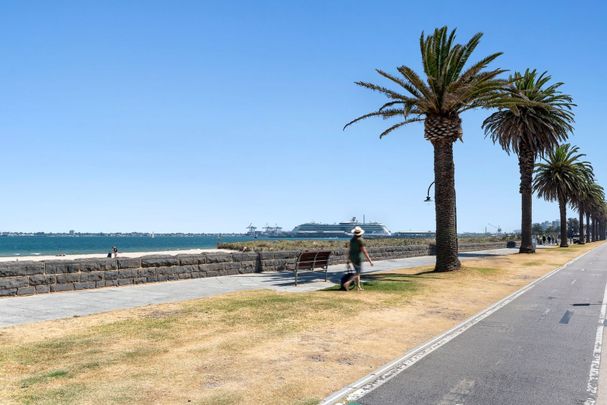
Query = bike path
x=538 y=349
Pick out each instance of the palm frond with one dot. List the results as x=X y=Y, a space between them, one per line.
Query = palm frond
x=531 y=113
x=448 y=87
x=558 y=177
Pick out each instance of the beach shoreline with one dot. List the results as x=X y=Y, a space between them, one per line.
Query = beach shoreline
x=104 y=255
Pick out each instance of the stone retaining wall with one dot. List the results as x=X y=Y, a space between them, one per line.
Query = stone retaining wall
x=24 y=278
x=278 y=261
x=38 y=277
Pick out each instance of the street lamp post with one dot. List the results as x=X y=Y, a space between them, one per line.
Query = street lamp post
x=428 y=199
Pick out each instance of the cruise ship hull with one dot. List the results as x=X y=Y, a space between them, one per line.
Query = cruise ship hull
x=340 y=230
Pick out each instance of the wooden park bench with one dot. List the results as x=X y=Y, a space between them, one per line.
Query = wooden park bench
x=311 y=261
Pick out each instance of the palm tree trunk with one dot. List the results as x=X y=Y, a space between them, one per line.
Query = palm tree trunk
x=444 y=198
x=593 y=237
x=563 y=210
x=581 y=230
x=587 y=227
x=594 y=229
x=526 y=159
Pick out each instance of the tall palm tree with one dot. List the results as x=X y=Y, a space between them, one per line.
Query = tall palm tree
x=557 y=179
x=596 y=202
x=534 y=118
x=593 y=195
x=447 y=91
x=581 y=202
x=602 y=221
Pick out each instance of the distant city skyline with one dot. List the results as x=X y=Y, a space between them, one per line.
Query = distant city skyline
x=489 y=228
x=197 y=117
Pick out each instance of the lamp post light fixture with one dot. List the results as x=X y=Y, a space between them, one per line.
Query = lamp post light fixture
x=428 y=199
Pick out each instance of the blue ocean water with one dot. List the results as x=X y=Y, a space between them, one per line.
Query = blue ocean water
x=54 y=245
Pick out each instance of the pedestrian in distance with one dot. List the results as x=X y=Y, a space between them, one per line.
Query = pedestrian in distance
x=357 y=252
x=115 y=251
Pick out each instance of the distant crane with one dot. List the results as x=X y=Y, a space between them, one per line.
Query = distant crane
x=498 y=228
x=252 y=230
x=271 y=230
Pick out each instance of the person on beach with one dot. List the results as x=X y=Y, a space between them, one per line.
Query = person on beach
x=355 y=256
x=115 y=251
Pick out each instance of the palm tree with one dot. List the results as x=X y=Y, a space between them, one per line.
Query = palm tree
x=581 y=201
x=438 y=101
x=602 y=221
x=595 y=204
x=589 y=198
x=557 y=179
x=534 y=118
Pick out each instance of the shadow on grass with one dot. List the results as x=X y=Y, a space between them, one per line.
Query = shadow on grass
x=388 y=282
x=474 y=254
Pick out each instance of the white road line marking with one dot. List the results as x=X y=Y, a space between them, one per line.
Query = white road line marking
x=573 y=282
x=593 y=377
x=377 y=378
x=544 y=314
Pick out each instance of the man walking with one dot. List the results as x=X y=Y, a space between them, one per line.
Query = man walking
x=355 y=256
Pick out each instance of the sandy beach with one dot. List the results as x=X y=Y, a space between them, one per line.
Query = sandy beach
x=102 y=255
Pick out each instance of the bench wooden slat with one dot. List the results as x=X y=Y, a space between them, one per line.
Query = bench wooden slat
x=311 y=261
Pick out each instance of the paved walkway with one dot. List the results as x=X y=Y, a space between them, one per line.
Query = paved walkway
x=35 y=308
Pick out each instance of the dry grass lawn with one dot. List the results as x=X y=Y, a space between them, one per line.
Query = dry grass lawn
x=257 y=347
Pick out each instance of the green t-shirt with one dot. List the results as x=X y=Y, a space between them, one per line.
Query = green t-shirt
x=356 y=253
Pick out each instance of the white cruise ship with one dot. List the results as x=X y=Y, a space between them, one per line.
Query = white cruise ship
x=340 y=230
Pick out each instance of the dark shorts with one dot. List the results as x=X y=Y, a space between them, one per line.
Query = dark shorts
x=358 y=268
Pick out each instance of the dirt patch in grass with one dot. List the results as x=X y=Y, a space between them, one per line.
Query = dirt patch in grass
x=253 y=347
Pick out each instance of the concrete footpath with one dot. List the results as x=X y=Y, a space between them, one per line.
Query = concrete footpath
x=43 y=307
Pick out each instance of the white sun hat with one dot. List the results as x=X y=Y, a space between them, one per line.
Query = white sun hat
x=358 y=231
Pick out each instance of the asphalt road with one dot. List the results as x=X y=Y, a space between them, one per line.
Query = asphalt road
x=538 y=349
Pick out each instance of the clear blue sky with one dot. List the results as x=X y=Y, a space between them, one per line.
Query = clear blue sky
x=205 y=116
